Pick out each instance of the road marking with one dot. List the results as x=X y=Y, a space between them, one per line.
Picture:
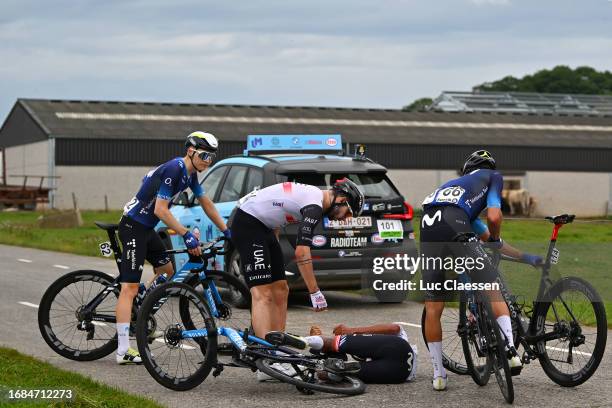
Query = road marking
x=184 y=346
x=567 y=351
x=61 y=266
x=409 y=324
x=24 y=260
x=28 y=304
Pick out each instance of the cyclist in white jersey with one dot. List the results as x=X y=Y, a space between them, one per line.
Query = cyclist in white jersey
x=255 y=229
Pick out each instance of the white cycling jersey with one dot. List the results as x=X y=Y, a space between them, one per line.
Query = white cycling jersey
x=277 y=205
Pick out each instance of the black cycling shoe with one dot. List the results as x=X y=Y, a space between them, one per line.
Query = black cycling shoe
x=340 y=366
x=286 y=339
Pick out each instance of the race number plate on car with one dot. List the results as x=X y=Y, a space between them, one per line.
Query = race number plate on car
x=354 y=222
x=390 y=229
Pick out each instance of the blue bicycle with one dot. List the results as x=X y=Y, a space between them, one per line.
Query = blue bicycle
x=190 y=343
x=76 y=315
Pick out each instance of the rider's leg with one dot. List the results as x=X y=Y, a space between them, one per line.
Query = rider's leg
x=166 y=269
x=502 y=314
x=155 y=255
x=133 y=237
x=262 y=309
x=280 y=294
x=433 y=335
x=124 y=315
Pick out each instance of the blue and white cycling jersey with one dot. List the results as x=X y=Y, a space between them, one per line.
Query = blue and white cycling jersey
x=472 y=193
x=165 y=182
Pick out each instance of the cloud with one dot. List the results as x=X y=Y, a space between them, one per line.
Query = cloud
x=490 y=2
x=357 y=53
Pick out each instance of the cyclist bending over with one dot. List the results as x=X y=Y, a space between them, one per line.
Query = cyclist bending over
x=453 y=209
x=255 y=227
x=140 y=241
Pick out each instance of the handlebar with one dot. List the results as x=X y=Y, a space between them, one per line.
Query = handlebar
x=209 y=246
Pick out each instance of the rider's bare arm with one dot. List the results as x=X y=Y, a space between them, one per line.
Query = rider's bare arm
x=303 y=260
x=385 y=328
x=494 y=221
x=163 y=213
x=211 y=211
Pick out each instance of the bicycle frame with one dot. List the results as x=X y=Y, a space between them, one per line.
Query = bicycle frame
x=528 y=336
x=211 y=293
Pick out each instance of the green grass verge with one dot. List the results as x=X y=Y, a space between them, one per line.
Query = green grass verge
x=19 y=371
x=22 y=229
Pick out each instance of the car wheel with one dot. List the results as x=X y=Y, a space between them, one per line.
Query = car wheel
x=234 y=267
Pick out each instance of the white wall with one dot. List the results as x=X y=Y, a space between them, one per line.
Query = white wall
x=30 y=159
x=91 y=183
x=583 y=194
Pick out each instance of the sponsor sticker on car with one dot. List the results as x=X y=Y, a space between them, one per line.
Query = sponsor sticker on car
x=319 y=240
x=348 y=242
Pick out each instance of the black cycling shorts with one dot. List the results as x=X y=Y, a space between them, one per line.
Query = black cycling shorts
x=138 y=243
x=440 y=228
x=260 y=252
x=388 y=359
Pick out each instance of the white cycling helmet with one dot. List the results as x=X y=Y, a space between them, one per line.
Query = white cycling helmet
x=202 y=140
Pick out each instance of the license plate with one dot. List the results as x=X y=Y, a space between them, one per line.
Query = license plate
x=353 y=222
x=390 y=229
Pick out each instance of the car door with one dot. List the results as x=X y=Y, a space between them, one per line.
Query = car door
x=232 y=190
x=192 y=216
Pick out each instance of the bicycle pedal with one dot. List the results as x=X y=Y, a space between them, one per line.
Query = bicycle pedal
x=514 y=371
x=218 y=370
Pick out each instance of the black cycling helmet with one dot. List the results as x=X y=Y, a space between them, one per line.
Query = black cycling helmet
x=478 y=160
x=202 y=141
x=354 y=196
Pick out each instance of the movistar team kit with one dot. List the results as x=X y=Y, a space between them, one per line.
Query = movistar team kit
x=139 y=239
x=451 y=210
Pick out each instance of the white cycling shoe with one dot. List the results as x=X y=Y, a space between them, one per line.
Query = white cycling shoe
x=284 y=368
x=130 y=357
x=515 y=362
x=439 y=383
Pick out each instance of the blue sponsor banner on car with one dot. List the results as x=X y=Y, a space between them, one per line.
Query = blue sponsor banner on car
x=293 y=142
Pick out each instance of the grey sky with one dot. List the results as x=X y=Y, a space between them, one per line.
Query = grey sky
x=329 y=53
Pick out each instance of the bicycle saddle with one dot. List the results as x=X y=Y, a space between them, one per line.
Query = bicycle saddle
x=106 y=226
x=562 y=219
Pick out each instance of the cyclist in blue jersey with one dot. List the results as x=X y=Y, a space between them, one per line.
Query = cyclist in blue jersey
x=453 y=209
x=140 y=215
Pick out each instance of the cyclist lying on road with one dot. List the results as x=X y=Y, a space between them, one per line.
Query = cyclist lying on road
x=384 y=351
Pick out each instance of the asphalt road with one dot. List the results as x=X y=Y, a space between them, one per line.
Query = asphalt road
x=26 y=273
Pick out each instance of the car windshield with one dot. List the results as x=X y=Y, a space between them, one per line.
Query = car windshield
x=373 y=185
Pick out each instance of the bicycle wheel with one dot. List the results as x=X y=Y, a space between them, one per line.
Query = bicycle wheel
x=496 y=349
x=63 y=325
x=307 y=379
x=229 y=312
x=453 y=357
x=173 y=361
x=475 y=342
x=573 y=309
